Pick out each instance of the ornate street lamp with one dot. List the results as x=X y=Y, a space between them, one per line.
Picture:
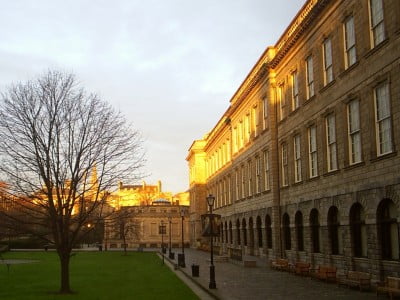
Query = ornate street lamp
x=170 y=254
x=181 y=256
x=210 y=202
x=162 y=231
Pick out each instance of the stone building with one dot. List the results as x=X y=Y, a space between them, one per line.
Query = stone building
x=304 y=162
x=139 y=210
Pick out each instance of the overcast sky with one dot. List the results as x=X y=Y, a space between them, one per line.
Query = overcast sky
x=171 y=66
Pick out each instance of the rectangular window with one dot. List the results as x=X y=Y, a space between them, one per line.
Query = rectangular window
x=258 y=174
x=312 y=151
x=247 y=128
x=237 y=184
x=328 y=68
x=284 y=158
x=376 y=22
x=349 y=42
x=354 y=132
x=254 y=120
x=265 y=112
x=331 y=142
x=297 y=158
x=249 y=179
x=266 y=171
x=243 y=182
x=383 y=123
x=281 y=101
x=310 y=77
x=240 y=134
x=295 y=91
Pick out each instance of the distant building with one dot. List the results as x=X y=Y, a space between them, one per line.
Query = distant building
x=140 y=210
x=304 y=163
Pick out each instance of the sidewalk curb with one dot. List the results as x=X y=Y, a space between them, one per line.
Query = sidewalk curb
x=172 y=264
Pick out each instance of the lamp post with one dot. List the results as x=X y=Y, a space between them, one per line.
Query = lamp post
x=181 y=257
x=210 y=202
x=162 y=230
x=170 y=254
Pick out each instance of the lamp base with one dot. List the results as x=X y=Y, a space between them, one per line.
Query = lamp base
x=212 y=284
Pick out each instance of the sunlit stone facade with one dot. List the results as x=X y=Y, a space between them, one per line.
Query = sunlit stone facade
x=146 y=207
x=304 y=161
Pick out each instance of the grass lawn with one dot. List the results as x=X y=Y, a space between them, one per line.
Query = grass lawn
x=94 y=275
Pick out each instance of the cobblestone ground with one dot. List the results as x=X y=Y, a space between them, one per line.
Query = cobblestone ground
x=237 y=282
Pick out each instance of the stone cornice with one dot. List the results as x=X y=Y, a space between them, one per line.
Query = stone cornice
x=302 y=21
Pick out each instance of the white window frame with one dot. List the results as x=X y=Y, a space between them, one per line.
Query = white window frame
x=243 y=175
x=328 y=61
x=295 y=91
x=383 y=119
x=265 y=112
x=350 y=54
x=376 y=19
x=297 y=157
x=237 y=184
x=258 y=174
x=267 y=172
x=284 y=159
x=281 y=101
x=354 y=131
x=249 y=178
x=331 y=145
x=312 y=151
x=310 y=77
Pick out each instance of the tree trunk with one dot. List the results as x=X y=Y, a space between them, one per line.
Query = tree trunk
x=64 y=260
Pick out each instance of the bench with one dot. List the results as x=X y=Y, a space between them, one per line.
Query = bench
x=362 y=280
x=301 y=268
x=391 y=286
x=280 y=264
x=326 y=273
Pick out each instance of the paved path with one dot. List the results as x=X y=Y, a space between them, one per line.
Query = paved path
x=235 y=282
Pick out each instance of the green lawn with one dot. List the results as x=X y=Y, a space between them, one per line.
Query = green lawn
x=94 y=275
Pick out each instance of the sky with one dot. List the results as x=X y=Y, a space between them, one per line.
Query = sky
x=171 y=66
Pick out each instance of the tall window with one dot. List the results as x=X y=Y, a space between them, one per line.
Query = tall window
x=268 y=231
x=376 y=22
x=310 y=77
x=354 y=132
x=331 y=142
x=259 y=232
x=237 y=184
x=249 y=179
x=388 y=229
x=328 y=68
x=286 y=232
x=266 y=171
x=297 y=158
x=238 y=232
x=284 y=158
x=295 y=91
x=230 y=232
x=258 y=174
x=281 y=100
x=243 y=182
x=235 y=139
x=244 y=231
x=265 y=112
x=383 y=120
x=254 y=120
x=312 y=151
x=358 y=230
x=315 y=231
x=299 y=231
x=349 y=42
x=334 y=230
x=247 y=128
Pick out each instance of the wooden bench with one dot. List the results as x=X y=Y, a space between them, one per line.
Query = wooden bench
x=301 y=268
x=326 y=273
x=362 y=280
x=391 y=286
x=280 y=264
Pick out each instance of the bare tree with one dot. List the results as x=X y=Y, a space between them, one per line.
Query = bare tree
x=123 y=225
x=61 y=150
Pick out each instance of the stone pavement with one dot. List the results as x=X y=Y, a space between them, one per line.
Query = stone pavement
x=235 y=282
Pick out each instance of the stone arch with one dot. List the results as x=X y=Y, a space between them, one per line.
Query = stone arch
x=259 y=232
x=298 y=221
x=358 y=230
x=388 y=229
x=287 y=243
x=315 y=230
x=244 y=231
